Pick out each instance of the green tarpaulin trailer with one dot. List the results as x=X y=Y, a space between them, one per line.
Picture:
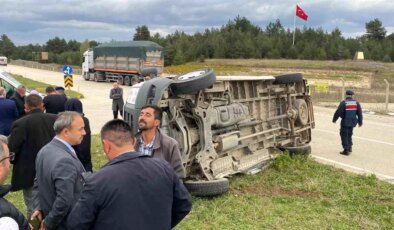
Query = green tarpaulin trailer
x=126 y=62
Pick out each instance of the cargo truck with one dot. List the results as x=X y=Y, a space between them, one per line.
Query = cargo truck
x=126 y=62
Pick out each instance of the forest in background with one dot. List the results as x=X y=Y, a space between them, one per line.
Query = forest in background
x=239 y=38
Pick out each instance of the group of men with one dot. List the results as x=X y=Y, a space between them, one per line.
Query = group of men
x=131 y=189
x=14 y=108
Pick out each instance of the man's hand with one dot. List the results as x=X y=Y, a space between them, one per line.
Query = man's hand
x=37 y=214
x=42 y=226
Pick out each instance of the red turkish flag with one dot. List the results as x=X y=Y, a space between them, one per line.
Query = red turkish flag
x=300 y=13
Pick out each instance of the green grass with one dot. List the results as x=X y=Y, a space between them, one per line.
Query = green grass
x=40 y=86
x=297 y=194
x=293 y=193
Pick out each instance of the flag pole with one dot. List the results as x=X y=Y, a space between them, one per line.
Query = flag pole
x=294 y=26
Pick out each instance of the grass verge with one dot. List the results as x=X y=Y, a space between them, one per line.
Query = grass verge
x=293 y=193
x=40 y=86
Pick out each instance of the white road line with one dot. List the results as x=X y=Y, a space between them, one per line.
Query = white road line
x=361 y=138
x=361 y=170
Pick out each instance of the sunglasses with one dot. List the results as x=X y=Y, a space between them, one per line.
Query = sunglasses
x=11 y=157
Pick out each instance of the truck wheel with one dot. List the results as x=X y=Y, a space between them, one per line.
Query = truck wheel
x=127 y=80
x=302 y=110
x=134 y=80
x=193 y=81
x=120 y=80
x=207 y=188
x=86 y=76
x=95 y=77
x=298 y=150
x=288 y=78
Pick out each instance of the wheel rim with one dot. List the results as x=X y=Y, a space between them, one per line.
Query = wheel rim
x=190 y=75
x=127 y=80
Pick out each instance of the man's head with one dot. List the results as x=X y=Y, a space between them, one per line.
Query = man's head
x=69 y=126
x=5 y=159
x=150 y=117
x=50 y=90
x=349 y=93
x=3 y=92
x=117 y=138
x=115 y=85
x=21 y=90
x=59 y=90
x=32 y=102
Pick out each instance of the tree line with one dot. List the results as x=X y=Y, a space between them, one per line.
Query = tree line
x=239 y=38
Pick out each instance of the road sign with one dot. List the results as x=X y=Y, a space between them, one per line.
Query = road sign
x=67 y=70
x=68 y=81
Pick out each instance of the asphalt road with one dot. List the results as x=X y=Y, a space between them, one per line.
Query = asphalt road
x=373 y=143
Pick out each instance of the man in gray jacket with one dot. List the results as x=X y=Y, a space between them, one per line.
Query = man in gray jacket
x=59 y=177
x=116 y=94
x=151 y=142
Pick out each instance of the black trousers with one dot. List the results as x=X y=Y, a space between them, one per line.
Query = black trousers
x=115 y=112
x=346 y=137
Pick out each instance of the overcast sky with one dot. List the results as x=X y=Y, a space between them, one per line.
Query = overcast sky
x=36 y=21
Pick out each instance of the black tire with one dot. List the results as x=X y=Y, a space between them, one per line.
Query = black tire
x=127 y=80
x=134 y=80
x=298 y=150
x=95 y=77
x=149 y=71
x=207 y=188
x=302 y=109
x=86 y=76
x=194 y=81
x=288 y=78
x=120 y=80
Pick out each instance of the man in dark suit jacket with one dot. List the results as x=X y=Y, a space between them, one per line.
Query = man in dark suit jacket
x=19 y=98
x=59 y=173
x=116 y=94
x=131 y=191
x=54 y=102
x=28 y=135
x=8 y=113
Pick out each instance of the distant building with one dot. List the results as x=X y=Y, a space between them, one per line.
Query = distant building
x=359 y=56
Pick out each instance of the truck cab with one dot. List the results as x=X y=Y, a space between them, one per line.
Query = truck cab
x=3 y=61
x=88 y=63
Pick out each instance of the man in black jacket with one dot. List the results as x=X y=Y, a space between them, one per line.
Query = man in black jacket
x=131 y=191
x=28 y=135
x=82 y=150
x=6 y=208
x=54 y=102
x=19 y=98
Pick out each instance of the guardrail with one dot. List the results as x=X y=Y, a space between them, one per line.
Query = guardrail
x=49 y=67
